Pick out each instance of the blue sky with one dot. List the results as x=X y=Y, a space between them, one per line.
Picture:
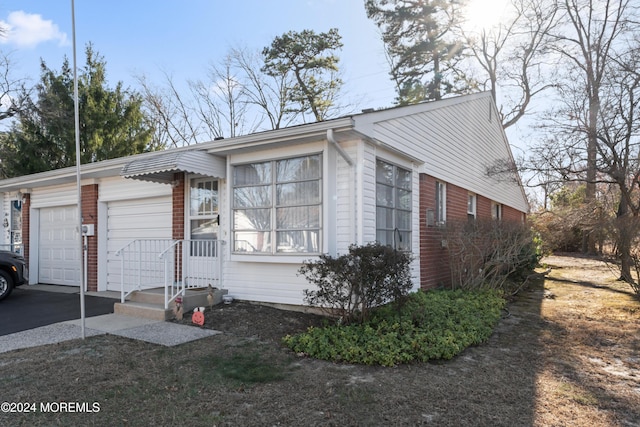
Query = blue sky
x=183 y=37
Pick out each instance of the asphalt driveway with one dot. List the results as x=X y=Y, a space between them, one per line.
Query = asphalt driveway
x=29 y=308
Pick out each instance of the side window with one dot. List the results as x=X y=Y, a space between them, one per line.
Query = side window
x=471 y=207
x=496 y=211
x=393 y=205
x=441 y=203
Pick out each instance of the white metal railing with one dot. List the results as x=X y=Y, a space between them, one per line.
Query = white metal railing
x=190 y=264
x=177 y=265
x=140 y=266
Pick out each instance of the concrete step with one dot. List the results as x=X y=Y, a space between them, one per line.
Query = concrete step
x=143 y=309
x=150 y=296
x=149 y=303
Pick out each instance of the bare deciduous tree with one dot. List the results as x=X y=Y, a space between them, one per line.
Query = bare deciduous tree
x=14 y=93
x=171 y=113
x=586 y=41
x=514 y=55
x=270 y=94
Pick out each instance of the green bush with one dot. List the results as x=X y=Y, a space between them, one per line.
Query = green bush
x=429 y=325
x=353 y=284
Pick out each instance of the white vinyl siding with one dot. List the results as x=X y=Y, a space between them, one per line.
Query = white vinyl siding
x=346 y=196
x=118 y=188
x=457 y=139
x=54 y=196
x=368 y=202
x=265 y=281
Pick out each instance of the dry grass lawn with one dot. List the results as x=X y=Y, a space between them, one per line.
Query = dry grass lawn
x=566 y=354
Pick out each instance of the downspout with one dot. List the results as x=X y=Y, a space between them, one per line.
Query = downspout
x=352 y=186
x=343 y=153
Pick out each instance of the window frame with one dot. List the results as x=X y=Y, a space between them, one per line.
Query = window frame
x=441 y=203
x=395 y=207
x=496 y=211
x=472 y=206
x=273 y=230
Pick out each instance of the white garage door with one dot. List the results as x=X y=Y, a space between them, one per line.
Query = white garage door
x=130 y=220
x=59 y=251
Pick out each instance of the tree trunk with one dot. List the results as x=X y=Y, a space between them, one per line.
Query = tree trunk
x=626 y=225
x=588 y=241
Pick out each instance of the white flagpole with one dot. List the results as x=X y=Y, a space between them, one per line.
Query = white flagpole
x=78 y=172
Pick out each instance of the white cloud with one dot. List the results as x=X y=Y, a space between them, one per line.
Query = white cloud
x=28 y=30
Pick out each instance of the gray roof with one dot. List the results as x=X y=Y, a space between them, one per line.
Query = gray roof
x=161 y=168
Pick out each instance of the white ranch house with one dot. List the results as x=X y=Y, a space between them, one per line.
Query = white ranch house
x=243 y=213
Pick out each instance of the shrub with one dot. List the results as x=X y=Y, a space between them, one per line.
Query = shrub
x=485 y=254
x=351 y=285
x=429 y=325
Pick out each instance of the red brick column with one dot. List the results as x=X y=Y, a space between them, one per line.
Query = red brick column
x=178 y=216
x=90 y=216
x=178 y=206
x=26 y=225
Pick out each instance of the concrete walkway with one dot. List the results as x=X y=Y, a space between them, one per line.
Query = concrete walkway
x=153 y=331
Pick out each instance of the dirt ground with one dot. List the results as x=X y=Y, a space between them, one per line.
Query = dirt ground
x=567 y=353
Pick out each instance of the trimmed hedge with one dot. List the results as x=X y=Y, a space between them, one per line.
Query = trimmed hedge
x=428 y=325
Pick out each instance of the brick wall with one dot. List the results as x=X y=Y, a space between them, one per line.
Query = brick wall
x=178 y=207
x=178 y=216
x=434 y=260
x=90 y=216
x=510 y=214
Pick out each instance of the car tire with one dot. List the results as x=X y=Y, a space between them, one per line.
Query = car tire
x=6 y=285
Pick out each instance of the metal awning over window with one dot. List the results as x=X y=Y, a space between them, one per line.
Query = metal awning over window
x=161 y=167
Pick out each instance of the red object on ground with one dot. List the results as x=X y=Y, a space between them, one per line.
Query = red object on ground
x=198 y=318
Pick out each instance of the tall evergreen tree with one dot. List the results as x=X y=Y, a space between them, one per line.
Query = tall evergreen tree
x=421 y=46
x=112 y=123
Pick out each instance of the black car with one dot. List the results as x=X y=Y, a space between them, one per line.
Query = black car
x=13 y=272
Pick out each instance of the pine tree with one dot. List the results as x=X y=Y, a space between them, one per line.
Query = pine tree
x=112 y=123
x=420 y=45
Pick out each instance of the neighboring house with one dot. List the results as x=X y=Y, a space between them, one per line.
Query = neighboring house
x=274 y=199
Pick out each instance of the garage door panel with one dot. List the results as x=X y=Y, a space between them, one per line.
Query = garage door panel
x=59 y=251
x=130 y=220
x=125 y=236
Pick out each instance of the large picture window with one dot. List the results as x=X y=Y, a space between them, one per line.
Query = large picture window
x=393 y=205
x=277 y=206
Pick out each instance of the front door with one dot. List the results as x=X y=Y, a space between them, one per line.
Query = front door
x=203 y=266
